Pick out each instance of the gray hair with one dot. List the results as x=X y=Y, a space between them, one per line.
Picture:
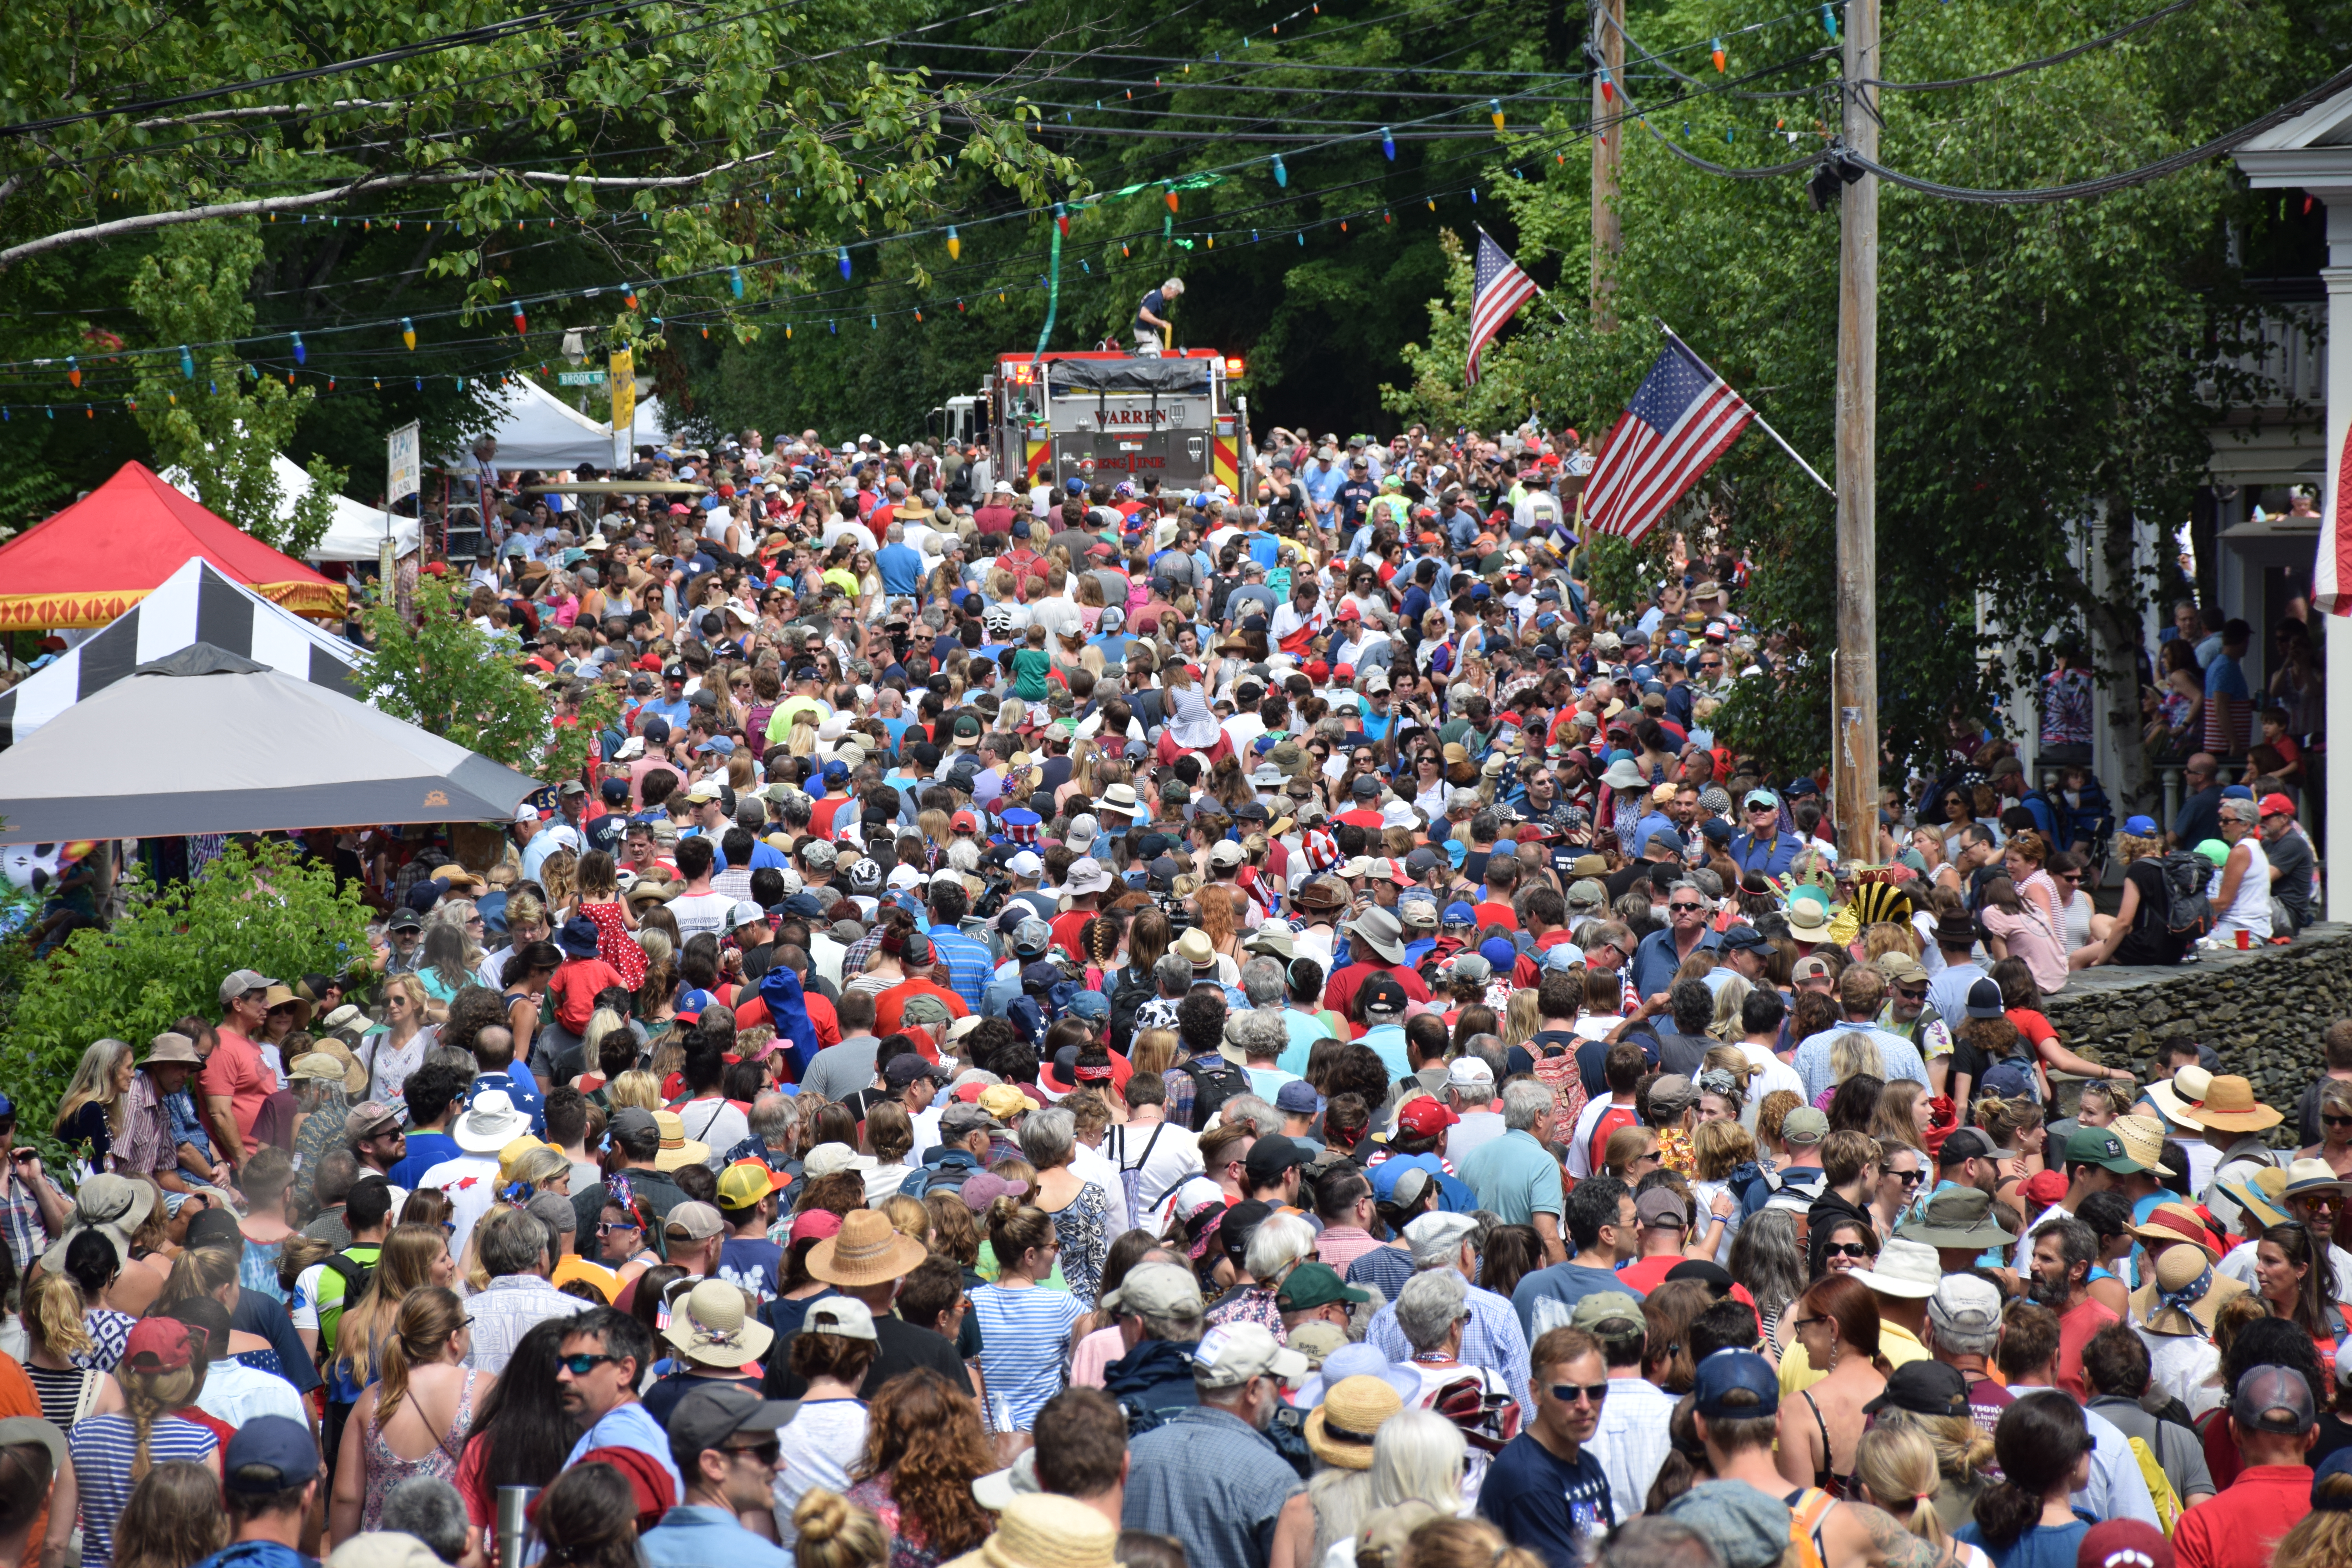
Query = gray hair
x=431 y=1510
x=1262 y=983
x=1526 y=1105
x=1279 y=1241
x=773 y=1119
x=1262 y=1118
x=2238 y=810
x=1431 y=1303
x=1173 y=975
x=1258 y=1033
x=510 y=1241
x=1047 y=1136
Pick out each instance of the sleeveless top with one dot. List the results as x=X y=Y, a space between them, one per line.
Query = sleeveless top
x=386 y=1469
x=2251 y=909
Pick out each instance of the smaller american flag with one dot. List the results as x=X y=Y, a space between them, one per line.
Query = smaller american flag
x=1683 y=418
x=1499 y=290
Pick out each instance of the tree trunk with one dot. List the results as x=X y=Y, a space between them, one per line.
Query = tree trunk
x=2114 y=616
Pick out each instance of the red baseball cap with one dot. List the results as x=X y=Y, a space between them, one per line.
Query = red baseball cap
x=964 y=822
x=1343 y=672
x=1425 y=1117
x=158 y=1344
x=1318 y=671
x=2278 y=805
x=1350 y=613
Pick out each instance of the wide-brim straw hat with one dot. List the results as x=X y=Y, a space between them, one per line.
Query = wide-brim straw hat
x=1340 y=1430
x=2229 y=1105
x=711 y=1327
x=283 y=997
x=2172 y=1223
x=677 y=1148
x=2143 y=1141
x=866 y=1251
x=2176 y=1268
x=1045 y=1530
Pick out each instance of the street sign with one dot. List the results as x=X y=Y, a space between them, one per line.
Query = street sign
x=580 y=378
x=401 y=458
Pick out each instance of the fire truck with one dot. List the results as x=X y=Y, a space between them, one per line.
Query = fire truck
x=1116 y=415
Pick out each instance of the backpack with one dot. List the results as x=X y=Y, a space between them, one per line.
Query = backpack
x=1213 y=1083
x=2159 y=1486
x=1808 y=1508
x=2187 y=911
x=1128 y=994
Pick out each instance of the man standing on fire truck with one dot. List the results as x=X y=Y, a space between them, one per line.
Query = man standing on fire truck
x=1151 y=322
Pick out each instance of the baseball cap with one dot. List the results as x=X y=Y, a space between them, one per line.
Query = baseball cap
x=1968 y=1143
x=2278 y=805
x=157 y=1344
x=1269 y=1158
x=1469 y=1072
x=1924 y=1388
x=1736 y=1371
x=715 y=1411
x=906 y=1068
x=742 y=1184
x=1964 y=1303
x=240 y=981
x=1155 y=1289
x=1806 y=1125
x=2274 y=1399
x=2136 y=1543
x=1984 y=999
x=1312 y=1285
x=1424 y=1117
x=694 y=1222
x=1296 y=1098
x=1382 y=994
x=2098 y=1146
x=1232 y=1354
x=1661 y=1208
x=1606 y=1307
x=269 y=1454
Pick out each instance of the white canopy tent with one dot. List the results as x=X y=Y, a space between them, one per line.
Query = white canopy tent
x=356 y=532
x=536 y=429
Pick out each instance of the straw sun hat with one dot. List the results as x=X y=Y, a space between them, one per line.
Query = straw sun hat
x=1041 y=1530
x=1340 y=1430
x=866 y=1251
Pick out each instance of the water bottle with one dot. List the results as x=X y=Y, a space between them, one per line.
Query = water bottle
x=513 y=1526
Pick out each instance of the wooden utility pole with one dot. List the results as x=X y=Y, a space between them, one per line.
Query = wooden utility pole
x=1855 y=682
x=1608 y=150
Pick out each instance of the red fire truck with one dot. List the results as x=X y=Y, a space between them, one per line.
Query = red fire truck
x=1082 y=414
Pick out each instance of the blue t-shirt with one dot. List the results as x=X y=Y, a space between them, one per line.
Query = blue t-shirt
x=753 y=1264
x=2040 y=1546
x=1026 y=1336
x=1544 y=1503
x=1565 y=1284
x=629 y=1426
x=901 y=566
x=425 y=1150
x=1156 y=303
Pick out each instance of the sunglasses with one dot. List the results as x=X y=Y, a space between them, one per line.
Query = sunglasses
x=1909 y=1178
x=2338 y=1120
x=1580 y=1392
x=607 y=1227
x=580 y=1365
x=1842 y=1249
x=766 y=1453
x=1686 y=908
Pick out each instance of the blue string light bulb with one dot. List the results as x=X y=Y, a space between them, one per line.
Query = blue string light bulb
x=301 y=354
x=1281 y=174
x=187 y=363
x=1388 y=144
x=735 y=280
x=844 y=262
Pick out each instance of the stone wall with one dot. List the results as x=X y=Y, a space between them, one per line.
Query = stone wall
x=2265 y=1012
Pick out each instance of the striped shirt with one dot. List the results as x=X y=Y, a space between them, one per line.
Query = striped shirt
x=103 y=1448
x=1024 y=1337
x=968 y=961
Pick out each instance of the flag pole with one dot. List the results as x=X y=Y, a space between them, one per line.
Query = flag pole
x=1767 y=429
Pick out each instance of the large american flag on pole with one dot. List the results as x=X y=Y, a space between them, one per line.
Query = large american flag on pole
x=2331 y=586
x=1679 y=424
x=1500 y=289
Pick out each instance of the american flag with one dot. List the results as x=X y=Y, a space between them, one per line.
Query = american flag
x=1679 y=424
x=2331 y=587
x=1500 y=289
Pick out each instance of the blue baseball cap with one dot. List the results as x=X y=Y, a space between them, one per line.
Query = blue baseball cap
x=2140 y=826
x=835 y=771
x=1735 y=1371
x=2237 y=792
x=1500 y=954
x=1458 y=913
x=1745 y=938
x=269 y=1454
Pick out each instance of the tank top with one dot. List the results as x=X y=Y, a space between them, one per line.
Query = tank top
x=386 y=1469
x=2251 y=909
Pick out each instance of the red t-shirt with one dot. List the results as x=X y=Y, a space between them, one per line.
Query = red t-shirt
x=1617 y=1116
x=1491 y=913
x=2075 y=1328
x=2239 y=1526
x=889 y=1006
x=1340 y=991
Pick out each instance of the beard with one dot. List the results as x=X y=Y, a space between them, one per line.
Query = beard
x=2041 y=1292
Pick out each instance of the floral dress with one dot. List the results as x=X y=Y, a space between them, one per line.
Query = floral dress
x=386 y=1469
x=1083 y=1228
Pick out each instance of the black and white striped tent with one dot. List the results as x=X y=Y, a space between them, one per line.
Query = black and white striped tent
x=194 y=605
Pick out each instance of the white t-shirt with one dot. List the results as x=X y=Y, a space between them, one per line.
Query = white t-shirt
x=1163 y=1155
x=818 y=1447
x=699 y=913
x=716 y=1122
x=1771 y=1073
x=470 y=1183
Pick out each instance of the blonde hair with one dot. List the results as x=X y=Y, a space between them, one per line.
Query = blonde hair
x=1854 y=1052
x=146 y=1395
x=405 y=1265
x=198 y=1271
x=1892 y=1124
x=909 y=1217
x=1521 y=1017
x=640 y=1089
x=2321 y=1538
x=54 y=1315
x=835 y=1533
x=1720 y=1147
x=1729 y=998
x=427 y=1318
x=1898 y=1465
x=2004 y=1119
x=94 y=1083
x=1890 y=936
x=1463 y=1543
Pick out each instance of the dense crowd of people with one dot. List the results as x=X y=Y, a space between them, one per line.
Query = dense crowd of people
x=1074 y=1025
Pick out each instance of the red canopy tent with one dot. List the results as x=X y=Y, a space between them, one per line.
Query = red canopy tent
x=108 y=551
